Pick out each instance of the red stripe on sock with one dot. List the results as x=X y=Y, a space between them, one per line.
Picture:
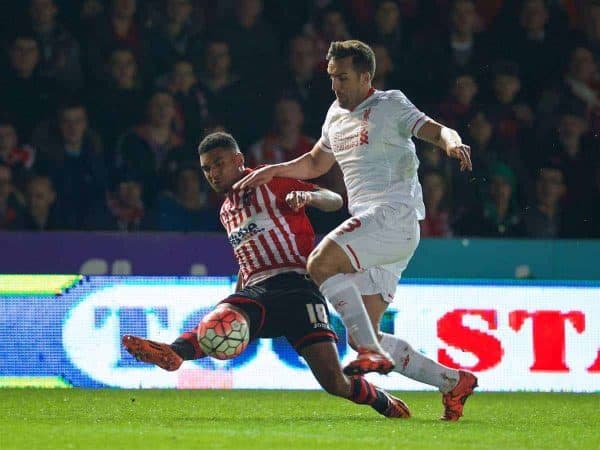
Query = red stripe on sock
x=372 y=393
x=364 y=393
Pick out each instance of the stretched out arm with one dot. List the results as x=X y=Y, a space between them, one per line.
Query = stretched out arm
x=448 y=140
x=308 y=166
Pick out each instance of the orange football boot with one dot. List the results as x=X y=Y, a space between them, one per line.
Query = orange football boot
x=369 y=361
x=397 y=409
x=152 y=352
x=454 y=401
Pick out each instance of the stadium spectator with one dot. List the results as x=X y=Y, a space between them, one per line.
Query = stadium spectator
x=20 y=158
x=227 y=96
x=91 y=9
x=302 y=81
x=124 y=208
x=485 y=143
x=459 y=102
x=176 y=36
x=41 y=213
x=547 y=110
x=509 y=112
x=26 y=95
x=537 y=50
x=543 y=219
x=190 y=99
x=486 y=147
x=431 y=159
x=498 y=215
x=11 y=209
x=285 y=141
x=462 y=50
x=591 y=28
x=71 y=154
x=150 y=148
x=118 y=104
x=253 y=44
x=572 y=148
x=119 y=26
x=385 y=78
x=437 y=217
x=575 y=151
x=389 y=31
x=185 y=207
x=60 y=55
x=330 y=26
x=580 y=84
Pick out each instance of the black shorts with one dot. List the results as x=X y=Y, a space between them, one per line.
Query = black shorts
x=288 y=305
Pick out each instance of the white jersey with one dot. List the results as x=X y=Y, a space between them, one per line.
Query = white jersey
x=374 y=149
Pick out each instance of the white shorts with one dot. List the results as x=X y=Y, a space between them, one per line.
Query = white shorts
x=380 y=243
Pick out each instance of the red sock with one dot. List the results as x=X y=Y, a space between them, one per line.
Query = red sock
x=364 y=393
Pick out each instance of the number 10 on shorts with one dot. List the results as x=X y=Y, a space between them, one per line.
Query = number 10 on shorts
x=316 y=313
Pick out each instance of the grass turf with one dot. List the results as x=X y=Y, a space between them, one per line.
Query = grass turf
x=168 y=419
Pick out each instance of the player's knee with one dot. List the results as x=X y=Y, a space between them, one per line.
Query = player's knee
x=320 y=267
x=224 y=333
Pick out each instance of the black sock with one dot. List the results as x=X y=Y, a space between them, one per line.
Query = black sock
x=381 y=402
x=183 y=348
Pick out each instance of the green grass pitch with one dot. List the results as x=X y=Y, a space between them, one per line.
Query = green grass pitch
x=169 y=419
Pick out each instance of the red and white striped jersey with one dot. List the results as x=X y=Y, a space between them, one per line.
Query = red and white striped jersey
x=268 y=237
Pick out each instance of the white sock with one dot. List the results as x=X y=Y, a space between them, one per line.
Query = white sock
x=414 y=365
x=343 y=294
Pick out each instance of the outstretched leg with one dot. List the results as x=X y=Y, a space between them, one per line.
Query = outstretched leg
x=171 y=356
x=152 y=352
x=332 y=271
x=323 y=361
x=456 y=386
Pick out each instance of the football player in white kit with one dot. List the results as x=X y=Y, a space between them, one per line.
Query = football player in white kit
x=357 y=266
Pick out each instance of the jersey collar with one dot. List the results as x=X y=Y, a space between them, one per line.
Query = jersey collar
x=371 y=92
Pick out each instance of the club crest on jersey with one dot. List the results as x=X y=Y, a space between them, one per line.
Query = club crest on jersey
x=244 y=233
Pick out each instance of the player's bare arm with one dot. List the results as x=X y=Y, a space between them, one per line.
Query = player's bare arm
x=322 y=199
x=448 y=140
x=311 y=165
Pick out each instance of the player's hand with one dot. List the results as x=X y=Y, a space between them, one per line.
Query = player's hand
x=461 y=152
x=256 y=178
x=298 y=199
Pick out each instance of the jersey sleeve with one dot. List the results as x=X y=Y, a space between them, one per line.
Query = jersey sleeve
x=324 y=141
x=407 y=116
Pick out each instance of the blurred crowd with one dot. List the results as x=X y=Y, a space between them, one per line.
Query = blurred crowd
x=103 y=103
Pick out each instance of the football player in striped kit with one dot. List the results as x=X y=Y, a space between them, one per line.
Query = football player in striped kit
x=357 y=266
x=271 y=237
